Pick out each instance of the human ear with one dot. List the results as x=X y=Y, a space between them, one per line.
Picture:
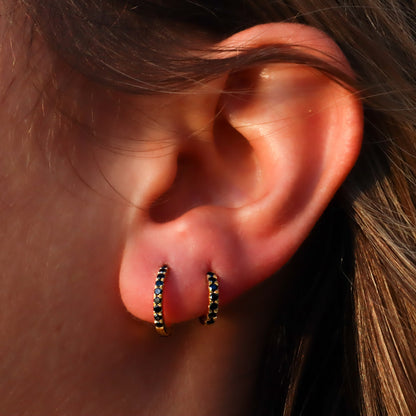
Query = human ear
x=269 y=148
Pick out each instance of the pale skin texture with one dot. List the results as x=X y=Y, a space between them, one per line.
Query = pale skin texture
x=67 y=344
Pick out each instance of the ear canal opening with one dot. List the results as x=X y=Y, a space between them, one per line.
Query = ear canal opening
x=218 y=172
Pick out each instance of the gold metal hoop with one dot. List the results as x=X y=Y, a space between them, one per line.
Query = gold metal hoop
x=213 y=300
x=159 y=319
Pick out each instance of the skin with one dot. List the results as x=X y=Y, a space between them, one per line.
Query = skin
x=67 y=343
x=70 y=217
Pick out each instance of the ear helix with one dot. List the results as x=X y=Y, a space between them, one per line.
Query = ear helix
x=213 y=300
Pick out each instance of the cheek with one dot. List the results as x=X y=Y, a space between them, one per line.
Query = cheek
x=60 y=249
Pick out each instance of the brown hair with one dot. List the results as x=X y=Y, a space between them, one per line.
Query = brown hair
x=347 y=344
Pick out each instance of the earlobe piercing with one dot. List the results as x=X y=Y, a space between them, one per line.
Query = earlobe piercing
x=213 y=300
x=157 y=301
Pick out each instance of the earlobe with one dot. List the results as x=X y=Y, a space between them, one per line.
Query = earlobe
x=250 y=184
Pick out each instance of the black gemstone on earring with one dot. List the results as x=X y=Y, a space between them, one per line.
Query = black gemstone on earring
x=158 y=300
x=214 y=296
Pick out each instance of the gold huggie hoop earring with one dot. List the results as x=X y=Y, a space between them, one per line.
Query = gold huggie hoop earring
x=157 y=301
x=213 y=299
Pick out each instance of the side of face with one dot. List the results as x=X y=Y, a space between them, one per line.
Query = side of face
x=100 y=188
